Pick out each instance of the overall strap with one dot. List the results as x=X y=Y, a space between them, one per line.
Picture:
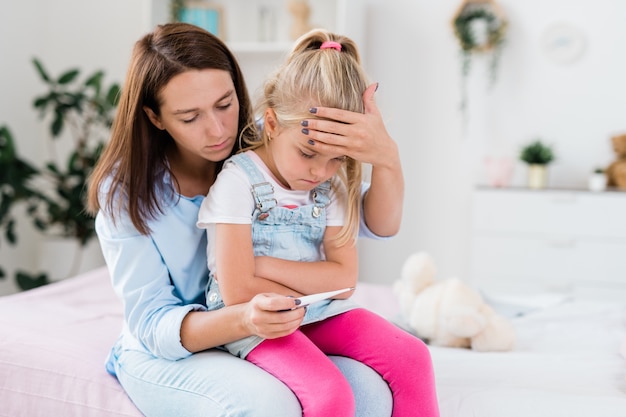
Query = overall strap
x=262 y=191
x=321 y=198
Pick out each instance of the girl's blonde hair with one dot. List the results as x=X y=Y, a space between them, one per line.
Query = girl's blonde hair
x=314 y=77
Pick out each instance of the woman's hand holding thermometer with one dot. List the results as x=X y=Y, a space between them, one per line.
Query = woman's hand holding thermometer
x=313 y=298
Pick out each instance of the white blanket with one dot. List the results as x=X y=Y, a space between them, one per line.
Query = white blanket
x=566 y=362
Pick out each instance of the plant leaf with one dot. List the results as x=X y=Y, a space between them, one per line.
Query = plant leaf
x=68 y=76
x=10 y=232
x=113 y=95
x=41 y=71
x=57 y=123
x=95 y=81
x=27 y=282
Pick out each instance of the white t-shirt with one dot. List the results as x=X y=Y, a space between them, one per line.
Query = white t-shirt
x=230 y=201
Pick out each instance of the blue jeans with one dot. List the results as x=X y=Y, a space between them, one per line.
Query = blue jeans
x=214 y=383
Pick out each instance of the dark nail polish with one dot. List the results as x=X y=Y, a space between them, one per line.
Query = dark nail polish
x=376 y=87
x=313 y=110
x=297 y=301
x=305 y=131
x=311 y=142
x=304 y=123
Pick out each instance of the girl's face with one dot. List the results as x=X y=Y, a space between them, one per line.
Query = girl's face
x=200 y=110
x=297 y=164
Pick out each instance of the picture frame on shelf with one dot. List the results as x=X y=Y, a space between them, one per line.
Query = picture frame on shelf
x=207 y=15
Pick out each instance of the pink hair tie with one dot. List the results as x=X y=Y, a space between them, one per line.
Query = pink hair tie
x=331 y=44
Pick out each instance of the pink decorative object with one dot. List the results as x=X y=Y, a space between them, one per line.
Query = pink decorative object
x=499 y=170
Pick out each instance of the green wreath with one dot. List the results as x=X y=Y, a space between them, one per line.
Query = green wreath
x=495 y=26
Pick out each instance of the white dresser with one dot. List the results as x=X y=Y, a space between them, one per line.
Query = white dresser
x=549 y=240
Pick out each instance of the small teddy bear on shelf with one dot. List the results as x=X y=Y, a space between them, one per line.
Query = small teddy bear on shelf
x=616 y=171
x=448 y=312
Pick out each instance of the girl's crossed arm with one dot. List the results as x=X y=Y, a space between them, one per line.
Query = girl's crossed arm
x=241 y=276
x=339 y=270
x=235 y=266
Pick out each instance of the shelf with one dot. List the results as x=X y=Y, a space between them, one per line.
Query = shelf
x=609 y=190
x=241 y=20
x=260 y=47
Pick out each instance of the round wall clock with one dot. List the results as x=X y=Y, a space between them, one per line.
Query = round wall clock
x=563 y=43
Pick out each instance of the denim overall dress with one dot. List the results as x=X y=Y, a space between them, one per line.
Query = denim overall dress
x=293 y=234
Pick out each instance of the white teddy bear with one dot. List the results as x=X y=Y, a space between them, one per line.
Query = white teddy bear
x=449 y=313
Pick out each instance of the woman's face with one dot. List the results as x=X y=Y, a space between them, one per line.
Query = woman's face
x=200 y=110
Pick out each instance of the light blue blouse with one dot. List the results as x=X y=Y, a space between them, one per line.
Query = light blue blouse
x=160 y=277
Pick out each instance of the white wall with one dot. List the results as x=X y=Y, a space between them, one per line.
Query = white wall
x=412 y=52
x=576 y=107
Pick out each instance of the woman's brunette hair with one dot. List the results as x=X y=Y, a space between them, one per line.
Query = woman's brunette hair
x=130 y=173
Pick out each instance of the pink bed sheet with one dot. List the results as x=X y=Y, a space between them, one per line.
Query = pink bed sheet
x=53 y=343
x=54 y=340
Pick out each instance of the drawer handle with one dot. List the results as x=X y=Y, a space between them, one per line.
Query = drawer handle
x=562 y=243
x=564 y=199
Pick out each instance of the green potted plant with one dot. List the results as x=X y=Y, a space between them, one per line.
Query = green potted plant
x=15 y=185
x=597 y=180
x=80 y=114
x=537 y=155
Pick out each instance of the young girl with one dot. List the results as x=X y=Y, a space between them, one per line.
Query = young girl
x=296 y=208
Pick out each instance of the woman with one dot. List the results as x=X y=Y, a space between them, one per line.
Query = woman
x=183 y=108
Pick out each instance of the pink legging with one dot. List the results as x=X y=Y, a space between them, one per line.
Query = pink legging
x=300 y=361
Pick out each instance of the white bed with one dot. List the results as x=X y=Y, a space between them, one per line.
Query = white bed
x=567 y=362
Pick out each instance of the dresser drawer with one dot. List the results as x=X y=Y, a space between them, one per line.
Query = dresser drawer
x=550 y=263
x=562 y=213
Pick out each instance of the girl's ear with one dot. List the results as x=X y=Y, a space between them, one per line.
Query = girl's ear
x=271 y=123
x=156 y=121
